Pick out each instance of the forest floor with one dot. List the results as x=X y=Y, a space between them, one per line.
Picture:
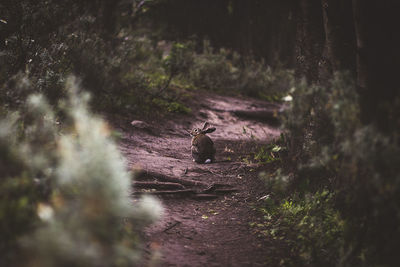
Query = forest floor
x=201 y=225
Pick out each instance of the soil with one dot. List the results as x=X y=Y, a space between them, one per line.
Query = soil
x=205 y=227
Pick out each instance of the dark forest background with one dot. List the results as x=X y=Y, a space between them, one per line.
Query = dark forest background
x=337 y=187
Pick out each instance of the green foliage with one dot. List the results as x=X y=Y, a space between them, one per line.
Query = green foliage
x=271 y=152
x=179 y=59
x=265 y=154
x=228 y=71
x=318 y=120
x=308 y=230
x=25 y=166
x=118 y=64
x=276 y=182
x=358 y=163
x=173 y=107
x=66 y=196
x=123 y=69
x=212 y=70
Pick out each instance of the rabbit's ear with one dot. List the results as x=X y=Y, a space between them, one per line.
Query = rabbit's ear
x=210 y=130
x=206 y=124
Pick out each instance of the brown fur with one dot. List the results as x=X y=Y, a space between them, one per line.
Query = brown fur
x=202 y=145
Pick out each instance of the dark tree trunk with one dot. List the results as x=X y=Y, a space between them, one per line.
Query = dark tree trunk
x=309 y=40
x=360 y=23
x=376 y=25
x=329 y=9
x=339 y=36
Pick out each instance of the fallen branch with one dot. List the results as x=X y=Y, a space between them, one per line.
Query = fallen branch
x=166 y=178
x=186 y=192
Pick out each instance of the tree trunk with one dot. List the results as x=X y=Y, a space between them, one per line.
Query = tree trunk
x=329 y=8
x=360 y=23
x=376 y=25
x=309 y=39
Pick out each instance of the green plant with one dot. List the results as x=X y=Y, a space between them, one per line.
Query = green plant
x=359 y=164
x=67 y=198
x=173 y=107
x=272 y=151
x=309 y=230
x=227 y=71
x=52 y=40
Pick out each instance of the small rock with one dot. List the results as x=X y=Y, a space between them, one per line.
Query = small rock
x=140 y=124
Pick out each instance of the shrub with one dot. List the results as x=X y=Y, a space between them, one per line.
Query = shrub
x=68 y=198
x=308 y=230
x=227 y=71
x=358 y=164
x=369 y=187
x=51 y=41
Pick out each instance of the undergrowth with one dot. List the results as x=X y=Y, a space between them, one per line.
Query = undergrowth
x=271 y=152
x=336 y=202
x=308 y=231
x=124 y=65
x=228 y=72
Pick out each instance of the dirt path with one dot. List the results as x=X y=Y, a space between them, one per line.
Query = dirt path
x=206 y=232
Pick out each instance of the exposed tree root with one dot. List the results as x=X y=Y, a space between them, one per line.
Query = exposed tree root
x=178 y=187
x=146 y=175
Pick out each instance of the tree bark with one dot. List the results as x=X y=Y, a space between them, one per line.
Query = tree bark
x=331 y=12
x=339 y=34
x=309 y=40
x=360 y=22
x=376 y=27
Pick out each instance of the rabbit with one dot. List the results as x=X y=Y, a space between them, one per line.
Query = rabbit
x=202 y=147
